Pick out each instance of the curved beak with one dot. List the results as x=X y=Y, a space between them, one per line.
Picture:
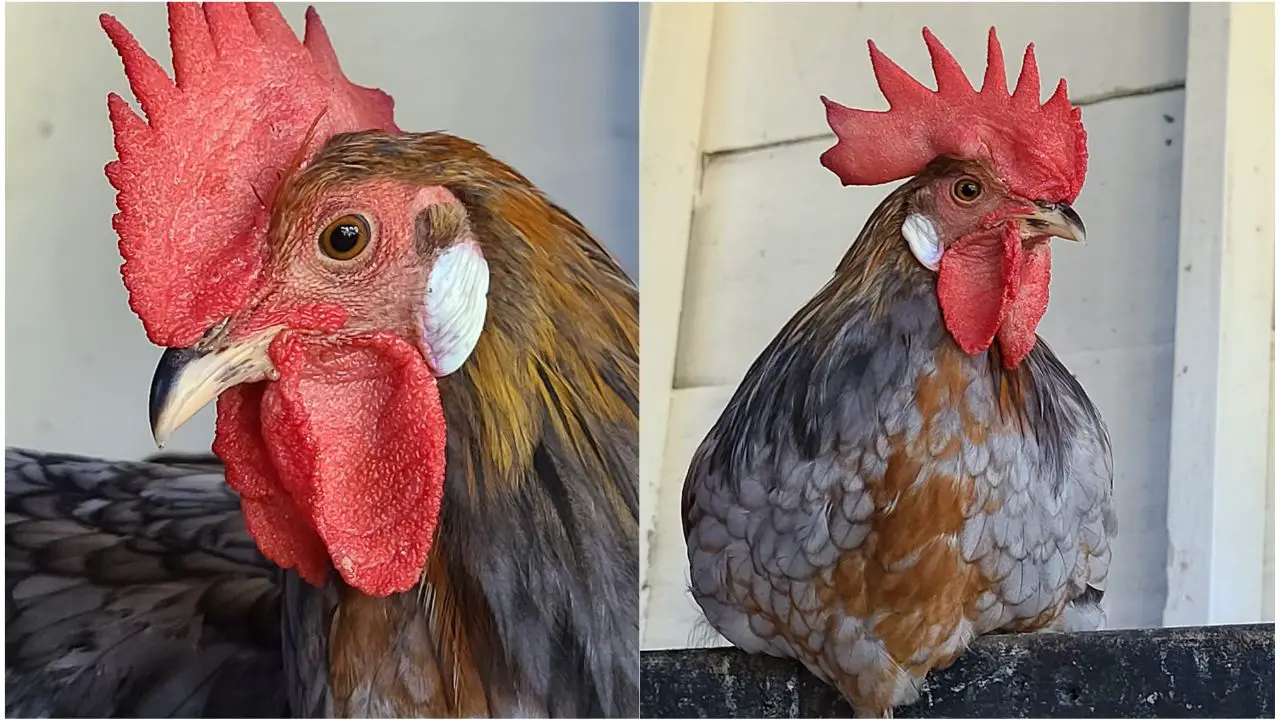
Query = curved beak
x=1053 y=220
x=187 y=379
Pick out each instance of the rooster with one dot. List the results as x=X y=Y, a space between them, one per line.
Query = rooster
x=426 y=384
x=907 y=465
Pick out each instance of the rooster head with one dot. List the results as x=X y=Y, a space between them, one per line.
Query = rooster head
x=996 y=174
x=317 y=301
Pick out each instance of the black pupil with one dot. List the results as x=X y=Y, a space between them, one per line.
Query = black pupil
x=968 y=190
x=344 y=238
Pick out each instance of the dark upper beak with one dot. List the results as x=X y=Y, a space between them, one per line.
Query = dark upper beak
x=187 y=379
x=1053 y=220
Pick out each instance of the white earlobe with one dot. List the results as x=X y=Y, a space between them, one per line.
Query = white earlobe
x=922 y=238
x=456 y=302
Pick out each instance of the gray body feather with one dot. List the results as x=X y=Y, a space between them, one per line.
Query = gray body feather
x=801 y=546
x=134 y=590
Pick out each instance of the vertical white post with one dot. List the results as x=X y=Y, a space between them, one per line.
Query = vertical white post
x=673 y=89
x=1222 y=357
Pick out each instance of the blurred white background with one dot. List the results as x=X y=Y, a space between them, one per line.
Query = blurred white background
x=549 y=88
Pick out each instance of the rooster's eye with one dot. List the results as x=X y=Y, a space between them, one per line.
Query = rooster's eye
x=967 y=190
x=345 y=237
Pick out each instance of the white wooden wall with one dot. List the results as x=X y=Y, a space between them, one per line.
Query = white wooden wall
x=1218 y=503
x=740 y=225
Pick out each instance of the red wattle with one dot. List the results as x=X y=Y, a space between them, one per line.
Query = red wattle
x=1018 y=332
x=342 y=459
x=273 y=518
x=988 y=287
x=977 y=284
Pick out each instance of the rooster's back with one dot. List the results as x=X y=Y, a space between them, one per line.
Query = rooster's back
x=133 y=589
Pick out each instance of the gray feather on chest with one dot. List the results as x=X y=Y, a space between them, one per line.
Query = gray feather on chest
x=840 y=377
x=867 y=467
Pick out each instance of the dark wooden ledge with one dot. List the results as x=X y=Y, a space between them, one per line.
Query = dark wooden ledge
x=1190 y=672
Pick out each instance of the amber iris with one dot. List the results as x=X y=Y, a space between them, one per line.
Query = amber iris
x=967 y=190
x=345 y=238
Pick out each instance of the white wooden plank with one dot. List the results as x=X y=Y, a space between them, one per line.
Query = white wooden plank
x=771 y=61
x=1130 y=386
x=1269 y=536
x=677 y=48
x=674 y=619
x=1226 y=255
x=772 y=225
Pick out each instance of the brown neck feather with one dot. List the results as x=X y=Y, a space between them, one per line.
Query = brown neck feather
x=879 y=267
x=542 y=455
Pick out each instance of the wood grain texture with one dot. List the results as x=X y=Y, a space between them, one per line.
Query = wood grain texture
x=1194 y=672
x=673 y=92
x=772 y=225
x=1225 y=305
x=770 y=62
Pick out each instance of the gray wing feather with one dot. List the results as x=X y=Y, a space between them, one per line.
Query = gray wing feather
x=134 y=590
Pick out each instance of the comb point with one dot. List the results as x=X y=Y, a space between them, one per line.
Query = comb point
x=128 y=125
x=1040 y=152
x=947 y=72
x=269 y=23
x=230 y=28
x=316 y=40
x=897 y=85
x=190 y=43
x=1058 y=102
x=148 y=81
x=995 y=80
x=1027 y=92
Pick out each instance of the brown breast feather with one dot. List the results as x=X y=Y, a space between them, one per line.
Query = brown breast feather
x=908 y=582
x=404 y=655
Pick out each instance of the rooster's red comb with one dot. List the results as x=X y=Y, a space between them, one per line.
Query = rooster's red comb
x=193 y=176
x=1039 y=151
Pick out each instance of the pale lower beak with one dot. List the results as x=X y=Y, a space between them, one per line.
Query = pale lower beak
x=187 y=379
x=1053 y=220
